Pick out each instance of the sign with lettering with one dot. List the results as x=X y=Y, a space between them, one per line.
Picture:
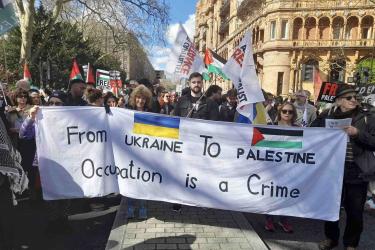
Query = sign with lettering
x=328 y=92
x=368 y=94
x=184 y=59
x=85 y=152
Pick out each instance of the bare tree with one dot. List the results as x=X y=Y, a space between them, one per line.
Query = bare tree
x=146 y=19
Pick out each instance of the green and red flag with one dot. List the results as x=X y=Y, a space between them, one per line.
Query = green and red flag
x=76 y=73
x=26 y=73
x=90 y=75
x=214 y=63
x=277 y=138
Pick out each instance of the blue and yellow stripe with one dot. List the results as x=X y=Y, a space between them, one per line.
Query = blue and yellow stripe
x=159 y=126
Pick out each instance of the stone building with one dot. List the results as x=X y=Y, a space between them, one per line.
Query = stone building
x=128 y=50
x=296 y=43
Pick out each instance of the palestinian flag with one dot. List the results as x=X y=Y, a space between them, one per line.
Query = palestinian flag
x=214 y=63
x=90 y=75
x=76 y=73
x=26 y=73
x=277 y=138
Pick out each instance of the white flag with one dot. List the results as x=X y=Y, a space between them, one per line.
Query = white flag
x=240 y=68
x=184 y=59
x=304 y=122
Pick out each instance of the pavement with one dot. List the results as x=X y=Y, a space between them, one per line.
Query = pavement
x=194 y=228
x=198 y=228
x=90 y=229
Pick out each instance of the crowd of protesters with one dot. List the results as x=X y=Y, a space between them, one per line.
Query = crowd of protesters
x=18 y=109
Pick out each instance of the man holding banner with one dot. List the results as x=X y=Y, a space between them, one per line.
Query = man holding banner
x=356 y=172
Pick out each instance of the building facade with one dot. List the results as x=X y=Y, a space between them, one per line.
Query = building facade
x=296 y=43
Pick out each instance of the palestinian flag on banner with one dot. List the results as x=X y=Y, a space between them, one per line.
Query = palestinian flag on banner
x=214 y=63
x=76 y=73
x=277 y=138
x=26 y=73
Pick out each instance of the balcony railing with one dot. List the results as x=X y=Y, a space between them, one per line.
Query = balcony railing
x=335 y=43
x=289 y=44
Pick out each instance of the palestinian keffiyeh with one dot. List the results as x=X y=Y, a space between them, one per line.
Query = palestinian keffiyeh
x=10 y=163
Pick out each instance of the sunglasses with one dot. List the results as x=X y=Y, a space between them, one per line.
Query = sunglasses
x=349 y=98
x=55 y=103
x=285 y=111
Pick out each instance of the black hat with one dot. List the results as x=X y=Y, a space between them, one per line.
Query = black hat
x=345 y=89
x=58 y=94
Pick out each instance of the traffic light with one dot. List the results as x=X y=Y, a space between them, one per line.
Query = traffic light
x=357 y=78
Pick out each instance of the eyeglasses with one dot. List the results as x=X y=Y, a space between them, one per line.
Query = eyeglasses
x=285 y=111
x=349 y=98
x=55 y=103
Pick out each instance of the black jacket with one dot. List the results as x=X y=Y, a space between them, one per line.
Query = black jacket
x=70 y=101
x=206 y=110
x=366 y=132
x=226 y=113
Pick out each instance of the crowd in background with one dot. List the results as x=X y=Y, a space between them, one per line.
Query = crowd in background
x=18 y=108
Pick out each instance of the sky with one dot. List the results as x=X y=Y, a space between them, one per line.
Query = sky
x=181 y=11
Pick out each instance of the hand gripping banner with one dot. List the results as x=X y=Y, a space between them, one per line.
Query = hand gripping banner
x=85 y=152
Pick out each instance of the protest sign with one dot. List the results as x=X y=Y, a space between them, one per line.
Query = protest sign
x=240 y=68
x=368 y=94
x=184 y=59
x=338 y=123
x=328 y=92
x=260 y=169
x=103 y=80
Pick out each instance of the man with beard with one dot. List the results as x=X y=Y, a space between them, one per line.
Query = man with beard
x=196 y=105
x=76 y=90
x=214 y=93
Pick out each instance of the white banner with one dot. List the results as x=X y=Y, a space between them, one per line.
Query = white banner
x=240 y=68
x=260 y=169
x=184 y=59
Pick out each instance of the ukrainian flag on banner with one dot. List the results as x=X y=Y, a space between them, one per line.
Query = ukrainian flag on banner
x=159 y=126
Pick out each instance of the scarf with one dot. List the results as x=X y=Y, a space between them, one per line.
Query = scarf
x=10 y=164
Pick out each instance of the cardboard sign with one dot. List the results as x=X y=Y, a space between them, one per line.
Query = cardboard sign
x=368 y=94
x=327 y=92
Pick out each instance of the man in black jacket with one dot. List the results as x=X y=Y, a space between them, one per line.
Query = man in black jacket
x=195 y=104
x=76 y=90
x=362 y=136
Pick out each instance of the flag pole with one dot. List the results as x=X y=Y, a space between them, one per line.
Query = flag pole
x=5 y=63
x=2 y=90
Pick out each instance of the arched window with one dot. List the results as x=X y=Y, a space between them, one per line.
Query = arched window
x=297 y=29
x=324 y=23
x=367 y=24
x=351 y=32
x=308 y=70
x=337 y=25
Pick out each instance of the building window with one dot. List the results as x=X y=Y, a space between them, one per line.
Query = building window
x=366 y=33
x=273 y=30
x=284 y=29
x=308 y=70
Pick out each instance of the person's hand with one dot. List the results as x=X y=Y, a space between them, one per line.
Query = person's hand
x=33 y=111
x=351 y=131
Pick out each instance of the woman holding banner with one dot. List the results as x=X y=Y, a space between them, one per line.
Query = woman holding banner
x=356 y=172
x=140 y=100
x=286 y=116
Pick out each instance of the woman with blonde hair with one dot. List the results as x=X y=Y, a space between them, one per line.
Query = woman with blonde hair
x=140 y=99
